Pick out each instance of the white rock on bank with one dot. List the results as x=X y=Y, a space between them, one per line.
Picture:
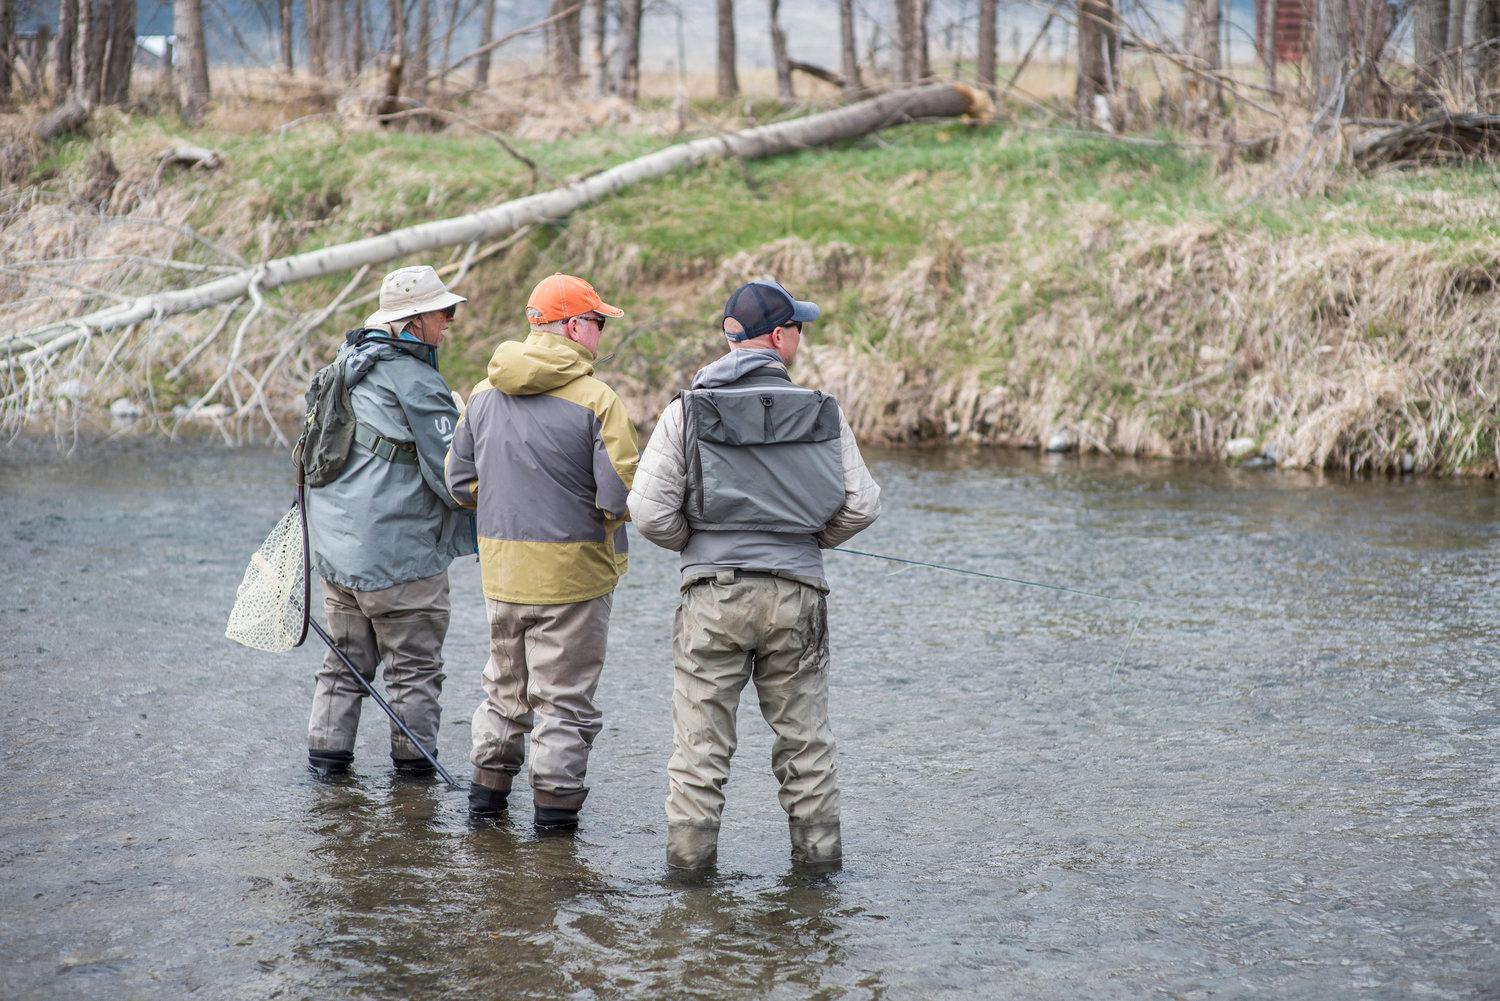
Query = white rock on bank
x=1062 y=441
x=72 y=389
x=1236 y=449
x=125 y=409
x=212 y=412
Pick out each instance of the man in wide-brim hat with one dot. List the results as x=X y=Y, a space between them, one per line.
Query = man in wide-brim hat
x=385 y=530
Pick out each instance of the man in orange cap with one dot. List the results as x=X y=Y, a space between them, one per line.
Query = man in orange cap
x=546 y=454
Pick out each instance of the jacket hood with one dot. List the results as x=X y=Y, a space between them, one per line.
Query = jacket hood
x=371 y=343
x=735 y=366
x=540 y=363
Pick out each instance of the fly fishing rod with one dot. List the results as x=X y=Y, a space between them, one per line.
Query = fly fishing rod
x=380 y=701
x=988 y=576
x=1134 y=625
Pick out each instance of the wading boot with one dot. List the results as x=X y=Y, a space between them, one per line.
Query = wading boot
x=690 y=846
x=552 y=820
x=486 y=804
x=413 y=768
x=816 y=847
x=327 y=763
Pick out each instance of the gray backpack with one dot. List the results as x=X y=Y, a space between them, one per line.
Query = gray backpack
x=322 y=449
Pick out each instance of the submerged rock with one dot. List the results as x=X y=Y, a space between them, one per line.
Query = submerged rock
x=212 y=412
x=125 y=409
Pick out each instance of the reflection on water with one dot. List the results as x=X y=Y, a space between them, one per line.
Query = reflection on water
x=1284 y=788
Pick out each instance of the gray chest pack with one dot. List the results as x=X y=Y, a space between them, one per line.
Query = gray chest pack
x=763 y=454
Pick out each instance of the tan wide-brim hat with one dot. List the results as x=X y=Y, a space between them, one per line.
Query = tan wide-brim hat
x=409 y=291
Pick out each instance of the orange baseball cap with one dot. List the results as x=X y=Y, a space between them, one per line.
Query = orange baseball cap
x=561 y=296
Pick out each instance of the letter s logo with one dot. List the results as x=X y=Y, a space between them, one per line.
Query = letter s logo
x=444 y=427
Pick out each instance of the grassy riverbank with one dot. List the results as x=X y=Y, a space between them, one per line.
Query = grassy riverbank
x=987 y=284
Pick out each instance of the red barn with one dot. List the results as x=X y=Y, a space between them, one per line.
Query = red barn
x=1293 y=31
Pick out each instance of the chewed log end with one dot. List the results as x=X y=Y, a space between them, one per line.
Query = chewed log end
x=977 y=104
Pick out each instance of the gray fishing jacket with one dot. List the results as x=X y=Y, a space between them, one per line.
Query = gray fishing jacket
x=665 y=500
x=385 y=522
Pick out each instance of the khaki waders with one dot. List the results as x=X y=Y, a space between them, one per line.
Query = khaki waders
x=729 y=630
x=403 y=626
x=540 y=680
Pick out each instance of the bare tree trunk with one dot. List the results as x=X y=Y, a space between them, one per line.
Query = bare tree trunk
x=905 y=38
x=1453 y=43
x=987 y=43
x=486 y=34
x=8 y=47
x=88 y=52
x=729 y=80
x=1112 y=46
x=284 y=8
x=357 y=32
x=599 y=15
x=1270 y=12
x=338 y=26
x=1094 y=79
x=778 y=54
x=448 y=30
x=1476 y=54
x=396 y=63
x=418 y=62
x=924 y=50
x=187 y=21
x=848 y=46
x=67 y=36
x=121 y=60
x=629 y=86
x=1201 y=94
x=315 y=13
x=1330 y=58
x=1489 y=55
x=17 y=348
x=565 y=42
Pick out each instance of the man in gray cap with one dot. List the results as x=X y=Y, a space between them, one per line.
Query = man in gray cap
x=750 y=476
x=385 y=529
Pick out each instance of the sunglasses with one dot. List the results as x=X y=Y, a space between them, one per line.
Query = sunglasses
x=595 y=317
x=451 y=311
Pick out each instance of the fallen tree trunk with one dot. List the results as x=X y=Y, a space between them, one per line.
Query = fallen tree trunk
x=848 y=122
x=817 y=73
x=60 y=121
x=1440 y=138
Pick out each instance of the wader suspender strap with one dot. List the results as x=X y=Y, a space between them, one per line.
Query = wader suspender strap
x=403 y=452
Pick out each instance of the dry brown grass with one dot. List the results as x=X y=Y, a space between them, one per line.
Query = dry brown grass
x=1350 y=351
x=1355 y=354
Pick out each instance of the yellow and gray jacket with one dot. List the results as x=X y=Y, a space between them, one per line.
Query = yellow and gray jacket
x=546 y=455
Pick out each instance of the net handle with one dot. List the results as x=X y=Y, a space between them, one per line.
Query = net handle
x=306 y=557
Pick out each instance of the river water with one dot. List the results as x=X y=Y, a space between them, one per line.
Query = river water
x=1285 y=786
